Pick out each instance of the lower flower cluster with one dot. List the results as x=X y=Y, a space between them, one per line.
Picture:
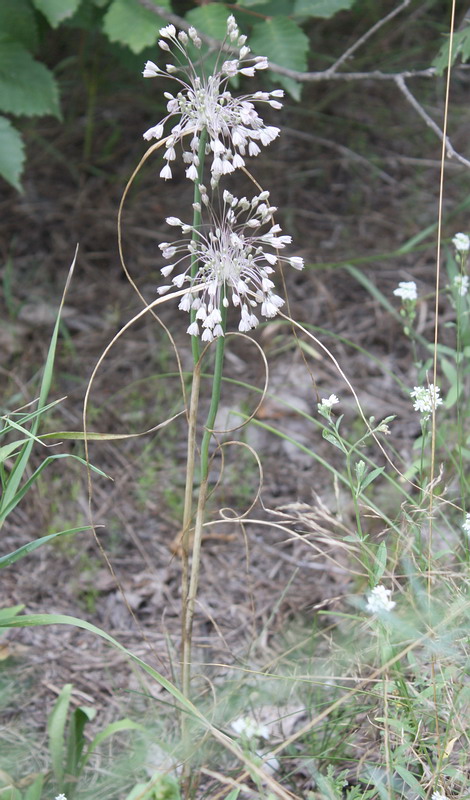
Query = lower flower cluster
x=228 y=260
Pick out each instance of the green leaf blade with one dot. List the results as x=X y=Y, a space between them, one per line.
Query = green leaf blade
x=12 y=155
x=282 y=41
x=130 y=24
x=56 y=11
x=26 y=87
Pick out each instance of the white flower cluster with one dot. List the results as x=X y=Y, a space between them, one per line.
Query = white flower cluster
x=249 y=728
x=466 y=525
x=461 y=242
x=406 y=290
x=61 y=797
x=234 y=262
x=426 y=399
x=438 y=796
x=461 y=283
x=327 y=403
x=233 y=125
x=379 y=600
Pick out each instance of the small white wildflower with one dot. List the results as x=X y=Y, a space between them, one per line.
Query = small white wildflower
x=406 y=290
x=249 y=728
x=461 y=283
x=61 y=797
x=379 y=600
x=426 y=399
x=461 y=242
x=466 y=524
x=234 y=128
x=327 y=403
x=438 y=796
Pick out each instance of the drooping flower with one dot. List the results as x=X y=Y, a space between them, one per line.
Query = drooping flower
x=406 y=290
x=379 y=600
x=233 y=125
x=234 y=262
x=249 y=728
x=426 y=399
x=461 y=242
x=461 y=283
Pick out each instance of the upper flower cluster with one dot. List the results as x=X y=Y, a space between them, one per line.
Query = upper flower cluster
x=233 y=262
x=233 y=125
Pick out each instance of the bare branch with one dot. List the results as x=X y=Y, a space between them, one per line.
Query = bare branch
x=451 y=152
x=348 y=53
x=329 y=74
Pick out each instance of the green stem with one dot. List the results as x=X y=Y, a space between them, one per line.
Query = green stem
x=199 y=524
x=196 y=225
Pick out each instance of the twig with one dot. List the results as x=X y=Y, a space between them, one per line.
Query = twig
x=304 y=77
x=348 y=53
x=451 y=152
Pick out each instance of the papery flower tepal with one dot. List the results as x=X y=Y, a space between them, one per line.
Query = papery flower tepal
x=233 y=125
x=426 y=399
x=379 y=600
x=406 y=290
x=234 y=262
x=461 y=242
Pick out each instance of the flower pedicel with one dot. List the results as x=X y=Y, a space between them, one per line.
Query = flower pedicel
x=233 y=125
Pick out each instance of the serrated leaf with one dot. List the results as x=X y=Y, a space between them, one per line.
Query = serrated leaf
x=129 y=23
x=321 y=8
x=56 y=11
x=17 y=23
x=210 y=19
x=284 y=43
x=460 y=47
x=11 y=153
x=26 y=86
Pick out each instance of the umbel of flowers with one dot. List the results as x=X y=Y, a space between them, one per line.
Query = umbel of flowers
x=204 y=104
x=235 y=260
x=224 y=257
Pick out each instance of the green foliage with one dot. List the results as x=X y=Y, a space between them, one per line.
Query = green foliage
x=322 y=8
x=26 y=86
x=128 y=23
x=11 y=153
x=56 y=11
x=460 y=48
x=18 y=23
x=283 y=42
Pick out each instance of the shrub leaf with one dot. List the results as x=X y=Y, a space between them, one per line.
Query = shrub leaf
x=128 y=23
x=26 y=86
x=11 y=153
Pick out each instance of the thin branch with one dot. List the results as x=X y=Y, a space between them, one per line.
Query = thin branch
x=451 y=152
x=348 y=53
x=329 y=74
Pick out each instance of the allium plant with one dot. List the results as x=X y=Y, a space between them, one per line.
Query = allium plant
x=227 y=255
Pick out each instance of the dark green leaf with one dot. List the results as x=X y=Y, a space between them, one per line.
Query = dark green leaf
x=26 y=86
x=17 y=22
x=210 y=19
x=11 y=153
x=284 y=43
x=460 y=47
x=321 y=8
x=56 y=11
x=128 y=23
